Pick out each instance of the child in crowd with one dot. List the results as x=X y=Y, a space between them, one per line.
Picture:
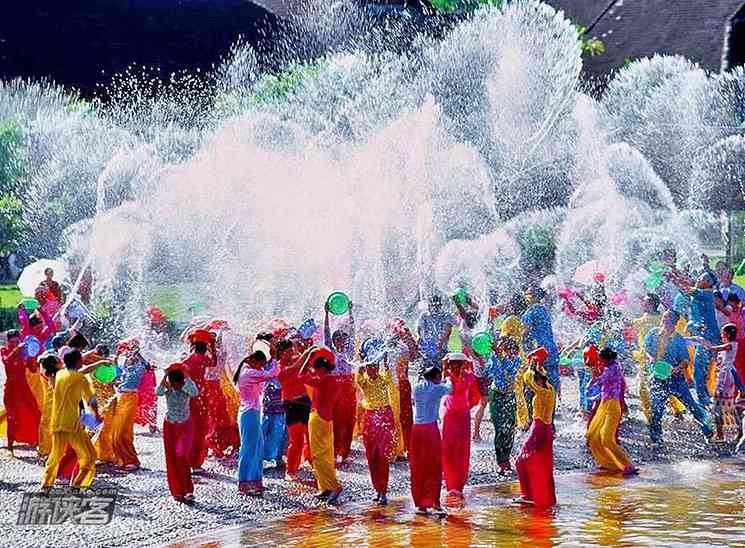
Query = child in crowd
x=178 y=431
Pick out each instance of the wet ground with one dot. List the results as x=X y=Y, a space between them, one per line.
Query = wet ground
x=686 y=504
x=145 y=514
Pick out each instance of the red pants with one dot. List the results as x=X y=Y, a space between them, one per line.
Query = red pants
x=198 y=418
x=344 y=415
x=407 y=411
x=22 y=412
x=535 y=465
x=378 y=436
x=177 y=440
x=298 y=446
x=425 y=462
x=222 y=431
x=456 y=448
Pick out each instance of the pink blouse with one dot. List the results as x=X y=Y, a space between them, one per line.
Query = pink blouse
x=251 y=385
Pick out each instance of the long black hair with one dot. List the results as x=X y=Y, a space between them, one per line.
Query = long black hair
x=258 y=356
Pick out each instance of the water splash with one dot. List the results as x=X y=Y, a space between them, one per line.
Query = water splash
x=382 y=172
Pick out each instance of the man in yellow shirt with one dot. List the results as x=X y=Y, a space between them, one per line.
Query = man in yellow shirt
x=70 y=388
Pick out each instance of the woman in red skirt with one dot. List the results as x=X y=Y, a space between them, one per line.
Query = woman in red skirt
x=147 y=403
x=178 y=431
x=425 y=449
x=195 y=366
x=23 y=413
x=378 y=431
x=456 y=424
x=535 y=463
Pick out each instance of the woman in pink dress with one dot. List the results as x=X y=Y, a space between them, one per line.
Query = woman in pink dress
x=456 y=424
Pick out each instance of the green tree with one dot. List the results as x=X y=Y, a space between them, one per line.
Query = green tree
x=12 y=226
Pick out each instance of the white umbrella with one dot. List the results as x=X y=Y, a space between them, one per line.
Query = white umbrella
x=33 y=275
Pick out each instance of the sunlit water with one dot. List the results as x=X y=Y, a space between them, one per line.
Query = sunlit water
x=687 y=504
x=383 y=173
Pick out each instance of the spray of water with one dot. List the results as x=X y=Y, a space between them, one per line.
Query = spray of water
x=382 y=172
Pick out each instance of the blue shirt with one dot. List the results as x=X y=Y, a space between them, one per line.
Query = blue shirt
x=132 y=373
x=431 y=328
x=675 y=352
x=704 y=313
x=427 y=396
x=540 y=333
x=502 y=371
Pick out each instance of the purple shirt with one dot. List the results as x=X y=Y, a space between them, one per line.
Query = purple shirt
x=611 y=382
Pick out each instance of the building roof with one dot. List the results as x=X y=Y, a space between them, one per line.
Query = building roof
x=631 y=29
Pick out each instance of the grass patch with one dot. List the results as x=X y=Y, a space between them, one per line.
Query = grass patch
x=176 y=300
x=10 y=295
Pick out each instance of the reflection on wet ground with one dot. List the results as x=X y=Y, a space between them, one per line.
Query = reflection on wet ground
x=685 y=504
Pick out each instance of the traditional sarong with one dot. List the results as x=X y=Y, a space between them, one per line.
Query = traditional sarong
x=344 y=415
x=222 y=432
x=250 y=456
x=425 y=462
x=198 y=412
x=321 y=434
x=274 y=430
x=602 y=437
x=407 y=410
x=122 y=430
x=37 y=385
x=22 y=412
x=456 y=448
x=394 y=396
x=147 y=408
x=503 y=412
x=177 y=439
x=232 y=398
x=535 y=465
x=105 y=443
x=378 y=436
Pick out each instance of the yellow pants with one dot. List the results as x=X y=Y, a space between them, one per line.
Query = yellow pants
x=601 y=437
x=321 y=434
x=398 y=440
x=45 y=423
x=104 y=444
x=122 y=429
x=81 y=444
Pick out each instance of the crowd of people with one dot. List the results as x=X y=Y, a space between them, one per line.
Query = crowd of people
x=294 y=394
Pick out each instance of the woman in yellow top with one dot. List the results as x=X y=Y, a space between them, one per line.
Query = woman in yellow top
x=535 y=463
x=378 y=430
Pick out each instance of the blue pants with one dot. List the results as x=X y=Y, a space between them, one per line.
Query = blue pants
x=275 y=436
x=584 y=377
x=661 y=392
x=250 y=461
x=701 y=362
